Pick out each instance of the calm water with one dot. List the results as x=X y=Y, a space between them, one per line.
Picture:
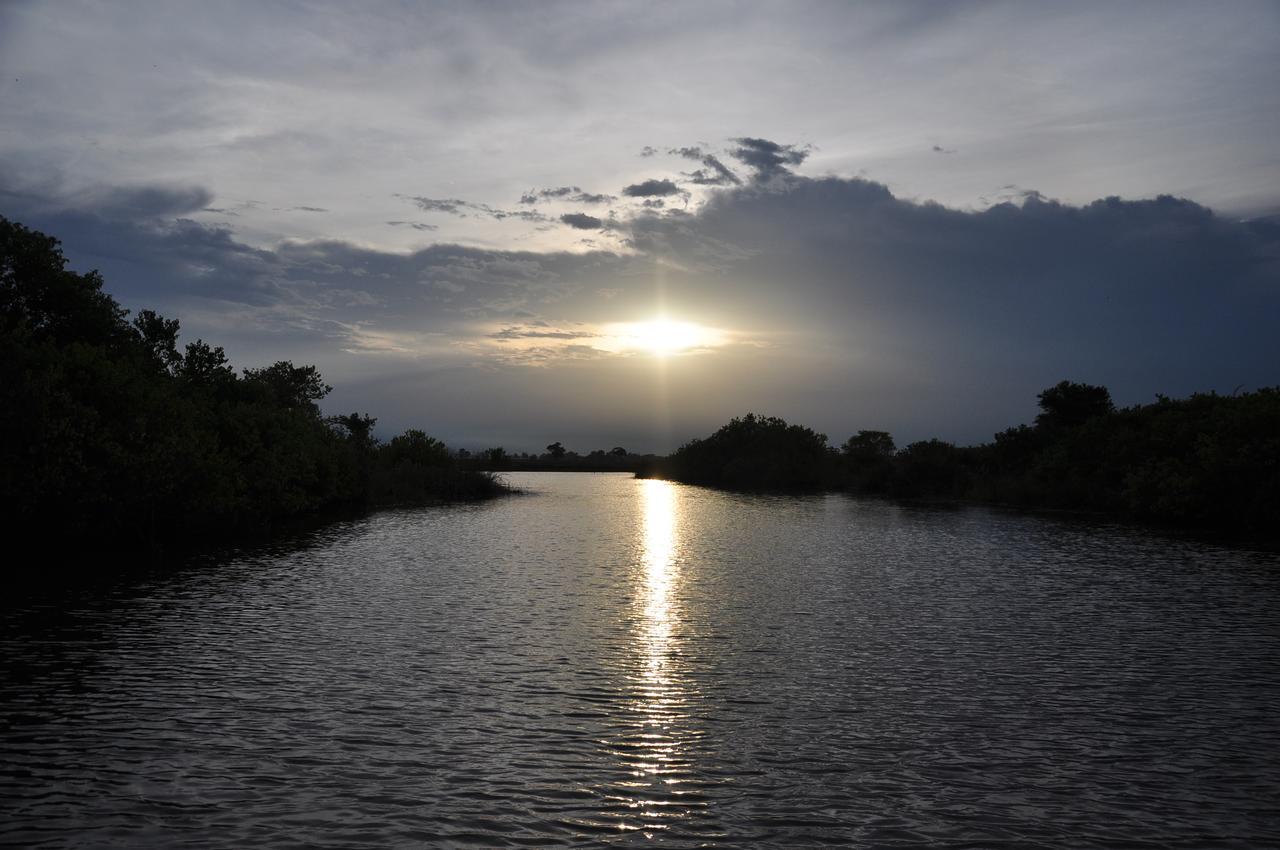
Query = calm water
x=612 y=661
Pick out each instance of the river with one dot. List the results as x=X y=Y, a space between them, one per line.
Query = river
x=609 y=661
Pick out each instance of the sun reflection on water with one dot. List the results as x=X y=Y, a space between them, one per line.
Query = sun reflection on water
x=659 y=571
x=657 y=751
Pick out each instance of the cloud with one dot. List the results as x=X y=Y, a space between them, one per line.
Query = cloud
x=310 y=209
x=1143 y=295
x=878 y=311
x=648 y=150
x=525 y=332
x=463 y=209
x=592 y=198
x=416 y=225
x=692 y=152
x=452 y=206
x=767 y=159
x=565 y=193
x=582 y=221
x=558 y=193
x=499 y=215
x=142 y=202
x=940 y=149
x=651 y=188
x=714 y=172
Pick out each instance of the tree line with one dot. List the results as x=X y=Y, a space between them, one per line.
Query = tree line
x=557 y=458
x=113 y=436
x=1208 y=461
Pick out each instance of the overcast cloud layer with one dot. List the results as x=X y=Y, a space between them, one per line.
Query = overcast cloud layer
x=891 y=215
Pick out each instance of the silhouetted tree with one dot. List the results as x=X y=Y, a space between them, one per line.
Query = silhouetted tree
x=1069 y=405
x=159 y=336
x=38 y=296
x=869 y=459
x=357 y=426
x=205 y=366
x=288 y=385
x=495 y=458
x=556 y=450
x=870 y=446
x=755 y=452
x=416 y=448
x=930 y=468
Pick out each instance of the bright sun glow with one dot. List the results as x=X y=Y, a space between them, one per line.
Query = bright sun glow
x=663 y=336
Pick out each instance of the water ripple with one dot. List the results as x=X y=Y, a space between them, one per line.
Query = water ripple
x=619 y=662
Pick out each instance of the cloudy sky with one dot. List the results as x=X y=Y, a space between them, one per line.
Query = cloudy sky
x=624 y=223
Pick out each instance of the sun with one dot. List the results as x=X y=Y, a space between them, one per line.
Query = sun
x=663 y=337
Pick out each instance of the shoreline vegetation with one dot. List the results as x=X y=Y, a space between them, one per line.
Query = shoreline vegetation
x=115 y=441
x=118 y=442
x=1206 y=463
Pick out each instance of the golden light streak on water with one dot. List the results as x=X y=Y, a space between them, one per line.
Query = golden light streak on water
x=661 y=694
x=658 y=755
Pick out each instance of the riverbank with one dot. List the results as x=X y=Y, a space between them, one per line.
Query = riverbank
x=115 y=439
x=1207 y=462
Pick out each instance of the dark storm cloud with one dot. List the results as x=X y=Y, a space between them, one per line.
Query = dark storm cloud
x=582 y=221
x=651 y=189
x=767 y=159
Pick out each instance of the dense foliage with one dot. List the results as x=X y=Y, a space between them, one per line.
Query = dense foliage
x=755 y=452
x=113 y=436
x=1208 y=461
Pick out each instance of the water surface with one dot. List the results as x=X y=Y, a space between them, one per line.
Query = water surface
x=613 y=661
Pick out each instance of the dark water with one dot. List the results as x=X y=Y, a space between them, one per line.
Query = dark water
x=629 y=662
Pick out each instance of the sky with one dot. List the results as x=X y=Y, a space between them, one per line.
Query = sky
x=623 y=223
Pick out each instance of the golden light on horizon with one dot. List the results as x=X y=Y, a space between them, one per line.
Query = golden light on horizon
x=662 y=337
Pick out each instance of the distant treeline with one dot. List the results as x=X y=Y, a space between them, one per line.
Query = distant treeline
x=1208 y=461
x=113 y=437
x=557 y=459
